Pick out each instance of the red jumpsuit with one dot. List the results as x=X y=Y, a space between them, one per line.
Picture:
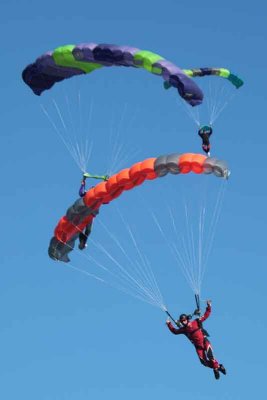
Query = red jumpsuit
x=193 y=331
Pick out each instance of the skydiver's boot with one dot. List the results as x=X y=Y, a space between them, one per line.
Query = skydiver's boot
x=222 y=369
x=216 y=373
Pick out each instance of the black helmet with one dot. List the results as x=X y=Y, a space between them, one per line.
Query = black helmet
x=183 y=317
x=205 y=129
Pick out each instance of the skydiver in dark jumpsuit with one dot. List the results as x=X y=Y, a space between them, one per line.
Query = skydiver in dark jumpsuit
x=205 y=132
x=83 y=236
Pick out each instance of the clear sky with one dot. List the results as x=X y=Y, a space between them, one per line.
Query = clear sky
x=66 y=336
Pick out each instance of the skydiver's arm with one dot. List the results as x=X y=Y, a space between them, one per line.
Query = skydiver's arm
x=102 y=177
x=174 y=330
x=207 y=313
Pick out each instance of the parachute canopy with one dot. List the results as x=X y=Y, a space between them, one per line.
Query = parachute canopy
x=82 y=212
x=222 y=72
x=70 y=60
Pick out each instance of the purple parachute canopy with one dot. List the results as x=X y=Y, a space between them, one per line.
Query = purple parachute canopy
x=67 y=61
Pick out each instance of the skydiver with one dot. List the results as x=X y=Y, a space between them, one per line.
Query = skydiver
x=83 y=236
x=205 y=132
x=194 y=331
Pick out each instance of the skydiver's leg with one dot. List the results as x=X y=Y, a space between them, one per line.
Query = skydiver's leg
x=205 y=142
x=83 y=236
x=206 y=148
x=212 y=362
x=210 y=356
x=202 y=356
x=82 y=240
x=88 y=229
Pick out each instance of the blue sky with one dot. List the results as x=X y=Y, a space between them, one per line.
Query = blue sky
x=66 y=336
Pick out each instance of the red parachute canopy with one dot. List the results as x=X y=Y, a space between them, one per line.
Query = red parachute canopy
x=82 y=212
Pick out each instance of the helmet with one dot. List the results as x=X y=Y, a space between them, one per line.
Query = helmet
x=205 y=129
x=183 y=317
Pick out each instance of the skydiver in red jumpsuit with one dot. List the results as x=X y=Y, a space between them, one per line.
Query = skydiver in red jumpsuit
x=194 y=331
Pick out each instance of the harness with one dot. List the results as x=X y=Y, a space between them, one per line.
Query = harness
x=200 y=328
